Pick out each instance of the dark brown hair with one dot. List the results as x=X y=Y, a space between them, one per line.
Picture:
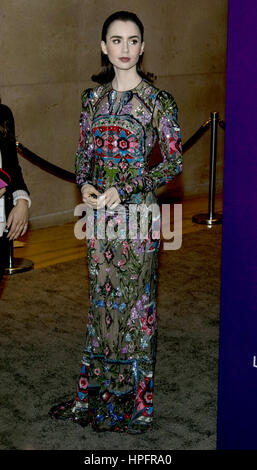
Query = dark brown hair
x=107 y=73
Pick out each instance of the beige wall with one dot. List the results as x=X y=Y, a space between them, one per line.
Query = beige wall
x=50 y=48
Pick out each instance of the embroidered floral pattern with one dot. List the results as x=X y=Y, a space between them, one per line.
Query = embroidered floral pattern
x=117 y=134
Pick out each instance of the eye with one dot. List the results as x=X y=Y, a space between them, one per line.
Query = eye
x=133 y=42
x=116 y=41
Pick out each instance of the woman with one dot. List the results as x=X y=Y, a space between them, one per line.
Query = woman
x=119 y=124
x=14 y=200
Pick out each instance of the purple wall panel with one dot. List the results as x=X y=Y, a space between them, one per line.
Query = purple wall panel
x=237 y=402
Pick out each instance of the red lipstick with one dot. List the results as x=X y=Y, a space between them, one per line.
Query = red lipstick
x=124 y=59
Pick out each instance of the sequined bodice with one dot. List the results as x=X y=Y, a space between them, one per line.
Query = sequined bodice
x=118 y=132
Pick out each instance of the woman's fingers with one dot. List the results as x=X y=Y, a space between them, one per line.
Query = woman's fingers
x=101 y=201
x=90 y=195
x=112 y=197
x=17 y=231
x=96 y=200
x=113 y=202
x=24 y=230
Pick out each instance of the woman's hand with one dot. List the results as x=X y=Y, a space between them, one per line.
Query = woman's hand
x=111 y=198
x=17 y=222
x=2 y=191
x=87 y=195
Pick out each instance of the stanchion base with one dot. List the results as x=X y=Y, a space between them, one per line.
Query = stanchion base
x=204 y=219
x=19 y=265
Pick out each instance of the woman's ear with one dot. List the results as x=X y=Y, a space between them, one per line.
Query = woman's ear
x=103 y=47
x=142 y=48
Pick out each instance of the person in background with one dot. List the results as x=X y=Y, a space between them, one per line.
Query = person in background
x=14 y=199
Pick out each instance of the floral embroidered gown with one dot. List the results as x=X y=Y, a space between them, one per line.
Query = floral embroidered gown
x=117 y=133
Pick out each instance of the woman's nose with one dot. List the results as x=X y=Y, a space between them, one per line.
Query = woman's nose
x=125 y=46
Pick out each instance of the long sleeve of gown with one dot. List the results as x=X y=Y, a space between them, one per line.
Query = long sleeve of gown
x=165 y=123
x=85 y=152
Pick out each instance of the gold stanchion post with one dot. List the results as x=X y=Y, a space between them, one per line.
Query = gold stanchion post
x=16 y=265
x=211 y=218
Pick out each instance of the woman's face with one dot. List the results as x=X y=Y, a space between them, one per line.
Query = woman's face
x=123 y=44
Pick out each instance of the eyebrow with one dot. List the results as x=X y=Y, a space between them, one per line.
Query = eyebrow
x=120 y=37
